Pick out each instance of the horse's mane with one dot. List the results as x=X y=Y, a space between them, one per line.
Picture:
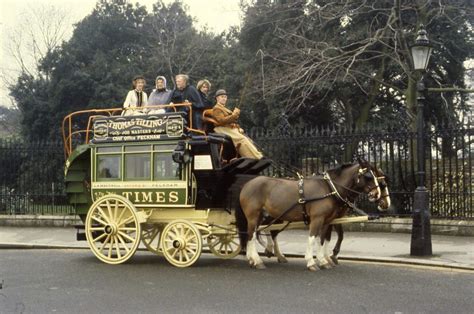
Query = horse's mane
x=338 y=170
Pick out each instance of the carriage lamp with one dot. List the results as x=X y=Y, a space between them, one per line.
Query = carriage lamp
x=180 y=154
x=421 y=226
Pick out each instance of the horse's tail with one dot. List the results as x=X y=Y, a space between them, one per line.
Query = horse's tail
x=242 y=225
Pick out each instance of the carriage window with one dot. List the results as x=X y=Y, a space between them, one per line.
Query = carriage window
x=167 y=147
x=166 y=168
x=110 y=149
x=140 y=148
x=108 y=167
x=137 y=166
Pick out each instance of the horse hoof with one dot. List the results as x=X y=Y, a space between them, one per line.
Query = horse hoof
x=330 y=261
x=260 y=266
x=268 y=253
x=334 y=259
x=313 y=268
x=282 y=260
x=325 y=266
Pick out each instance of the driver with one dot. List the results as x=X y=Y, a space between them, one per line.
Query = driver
x=227 y=124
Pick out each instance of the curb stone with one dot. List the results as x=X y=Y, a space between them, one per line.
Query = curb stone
x=386 y=224
x=351 y=258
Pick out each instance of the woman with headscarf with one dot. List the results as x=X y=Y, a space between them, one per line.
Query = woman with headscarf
x=161 y=95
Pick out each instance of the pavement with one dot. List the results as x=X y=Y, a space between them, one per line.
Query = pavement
x=452 y=252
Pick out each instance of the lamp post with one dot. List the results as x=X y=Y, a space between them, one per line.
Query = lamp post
x=421 y=227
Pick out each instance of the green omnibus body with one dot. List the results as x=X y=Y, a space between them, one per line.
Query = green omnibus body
x=139 y=177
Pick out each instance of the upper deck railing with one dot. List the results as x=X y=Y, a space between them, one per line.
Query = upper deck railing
x=77 y=127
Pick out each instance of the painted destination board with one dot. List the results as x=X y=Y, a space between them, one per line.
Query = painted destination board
x=143 y=197
x=138 y=128
x=145 y=193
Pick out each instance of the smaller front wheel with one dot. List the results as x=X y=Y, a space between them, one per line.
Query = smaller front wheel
x=181 y=243
x=224 y=245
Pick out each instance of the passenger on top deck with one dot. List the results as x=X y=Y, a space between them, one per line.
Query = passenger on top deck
x=160 y=96
x=136 y=98
x=184 y=92
x=227 y=124
x=204 y=86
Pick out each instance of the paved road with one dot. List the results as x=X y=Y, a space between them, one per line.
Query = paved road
x=73 y=281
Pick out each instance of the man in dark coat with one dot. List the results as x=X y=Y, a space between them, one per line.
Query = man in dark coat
x=184 y=92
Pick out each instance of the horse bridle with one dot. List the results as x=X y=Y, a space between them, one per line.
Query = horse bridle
x=383 y=188
x=361 y=172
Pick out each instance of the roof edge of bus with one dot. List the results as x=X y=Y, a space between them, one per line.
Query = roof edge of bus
x=78 y=151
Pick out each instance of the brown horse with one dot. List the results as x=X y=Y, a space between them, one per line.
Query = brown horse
x=317 y=200
x=272 y=247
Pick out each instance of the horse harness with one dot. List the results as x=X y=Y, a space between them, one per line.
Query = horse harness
x=334 y=192
x=303 y=201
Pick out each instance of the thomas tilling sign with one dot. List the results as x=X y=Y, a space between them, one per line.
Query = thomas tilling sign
x=138 y=128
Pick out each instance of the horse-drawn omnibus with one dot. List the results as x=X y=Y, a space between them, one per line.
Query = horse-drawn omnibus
x=156 y=180
x=153 y=179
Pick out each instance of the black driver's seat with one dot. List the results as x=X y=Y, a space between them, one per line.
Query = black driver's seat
x=228 y=150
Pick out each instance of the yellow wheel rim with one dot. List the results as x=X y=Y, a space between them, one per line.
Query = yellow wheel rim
x=181 y=243
x=112 y=229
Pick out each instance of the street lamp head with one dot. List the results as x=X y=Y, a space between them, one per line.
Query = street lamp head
x=421 y=50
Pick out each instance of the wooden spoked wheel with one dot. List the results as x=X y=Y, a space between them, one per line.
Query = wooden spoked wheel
x=112 y=229
x=151 y=237
x=224 y=245
x=181 y=243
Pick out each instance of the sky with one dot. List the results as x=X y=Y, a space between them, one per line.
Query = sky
x=217 y=15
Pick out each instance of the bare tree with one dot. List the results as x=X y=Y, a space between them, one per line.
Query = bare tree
x=40 y=30
x=321 y=44
x=177 y=44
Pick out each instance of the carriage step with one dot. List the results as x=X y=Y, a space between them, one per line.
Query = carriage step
x=261 y=165
x=240 y=165
x=81 y=236
x=80 y=232
x=234 y=163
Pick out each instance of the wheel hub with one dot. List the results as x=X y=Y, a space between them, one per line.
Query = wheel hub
x=179 y=244
x=111 y=229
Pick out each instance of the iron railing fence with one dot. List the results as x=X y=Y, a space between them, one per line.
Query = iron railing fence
x=32 y=173
x=449 y=164
x=32 y=178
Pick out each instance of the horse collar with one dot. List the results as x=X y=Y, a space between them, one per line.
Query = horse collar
x=302 y=200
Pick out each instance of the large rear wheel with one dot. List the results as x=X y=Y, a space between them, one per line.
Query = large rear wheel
x=112 y=229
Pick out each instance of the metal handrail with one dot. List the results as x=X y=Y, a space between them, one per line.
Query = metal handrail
x=67 y=124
